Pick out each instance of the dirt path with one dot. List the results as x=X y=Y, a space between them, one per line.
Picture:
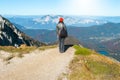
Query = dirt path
x=45 y=65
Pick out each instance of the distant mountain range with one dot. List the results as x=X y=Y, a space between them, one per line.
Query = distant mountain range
x=99 y=33
x=10 y=35
x=50 y=21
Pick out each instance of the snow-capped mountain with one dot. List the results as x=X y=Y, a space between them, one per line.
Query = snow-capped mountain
x=69 y=20
x=50 y=21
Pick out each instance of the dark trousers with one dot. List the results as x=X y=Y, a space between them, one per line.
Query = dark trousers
x=61 y=45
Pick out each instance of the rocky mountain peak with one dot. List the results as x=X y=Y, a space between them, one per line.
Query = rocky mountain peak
x=1 y=19
x=11 y=36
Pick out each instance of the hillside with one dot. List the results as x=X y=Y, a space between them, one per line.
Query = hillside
x=89 y=65
x=49 y=64
x=10 y=35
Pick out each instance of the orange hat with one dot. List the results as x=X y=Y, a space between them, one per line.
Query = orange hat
x=61 y=19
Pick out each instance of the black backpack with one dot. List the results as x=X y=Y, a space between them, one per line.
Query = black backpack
x=63 y=33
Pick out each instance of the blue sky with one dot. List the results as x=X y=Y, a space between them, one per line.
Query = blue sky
x=60 y=7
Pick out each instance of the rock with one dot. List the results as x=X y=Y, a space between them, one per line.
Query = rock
x=70 y=40
x=11 y=36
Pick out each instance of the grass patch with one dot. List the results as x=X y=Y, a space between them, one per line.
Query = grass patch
x=98 y=67
x=12 y=49
x=83 y=68
x=92 y=67
x=24 y=49
x=18 y=52
x=47 y=47
x=81 y=50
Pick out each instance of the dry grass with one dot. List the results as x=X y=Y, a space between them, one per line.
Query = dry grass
x=93 y=67
x=21 y=49
x=12 y=52
x=9 y=52
x=81 y=50
x=24 y=49
x=47 y=47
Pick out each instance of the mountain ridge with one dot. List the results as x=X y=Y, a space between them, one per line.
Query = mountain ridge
x=50 y=21
x=12 y=36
